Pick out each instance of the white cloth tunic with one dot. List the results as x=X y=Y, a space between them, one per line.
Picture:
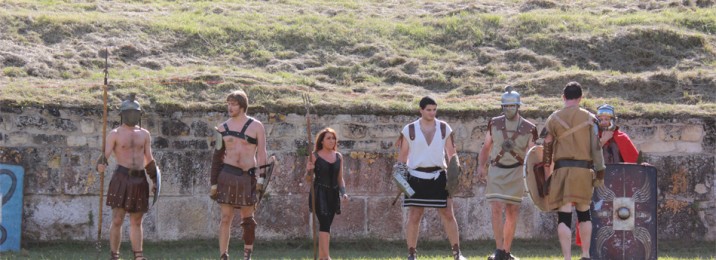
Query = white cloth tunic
x=423 y=155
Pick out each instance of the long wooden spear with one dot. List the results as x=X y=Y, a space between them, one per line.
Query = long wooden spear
x=307 y=104
x=104 y=141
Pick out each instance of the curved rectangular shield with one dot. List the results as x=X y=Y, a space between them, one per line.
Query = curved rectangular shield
x=624 y=214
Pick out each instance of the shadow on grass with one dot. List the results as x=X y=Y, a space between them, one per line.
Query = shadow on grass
x=340 y=249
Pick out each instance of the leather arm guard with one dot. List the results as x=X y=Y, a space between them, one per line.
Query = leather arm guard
x=151 y=170
x=217 y=161
x=600 y=175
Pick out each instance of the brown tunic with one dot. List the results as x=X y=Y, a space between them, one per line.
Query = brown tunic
x=504 y=177
x=573 y=184
x=128 y=190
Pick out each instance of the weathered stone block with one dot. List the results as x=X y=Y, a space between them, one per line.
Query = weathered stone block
x=87 y=126
x=282 y=129
x=181 y=170
x=369 y=174
x=175 y=127
x=678 y=198
x=75 y=141
x=11 y=109
x=202 y=129
x=656 y=147
x=385 y=131
x=65 y=125
x=688 y=147
x=288 y=175
x=638 y=133
x=160 y=143
x=185 y=217
x=351 y=223
x=670 y=132
x=679 y=175
x=293 y=224
x=48 y=217
x=34 y=121
x=53 y=140
x=709 y=141
x=385 y=221
x=18 y=139
x=692 y=133
x=191 y=144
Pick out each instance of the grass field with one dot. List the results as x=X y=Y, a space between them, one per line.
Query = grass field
x=648 y=57
x=302 y=249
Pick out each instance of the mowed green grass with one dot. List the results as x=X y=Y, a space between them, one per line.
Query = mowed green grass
x=364 y=249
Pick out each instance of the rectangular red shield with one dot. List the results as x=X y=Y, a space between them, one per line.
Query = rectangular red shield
x=624 y=214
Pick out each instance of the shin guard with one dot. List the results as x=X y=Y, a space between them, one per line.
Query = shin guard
x=564 y=217
x=249 y=226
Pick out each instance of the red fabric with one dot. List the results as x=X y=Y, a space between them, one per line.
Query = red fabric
x=626 y=148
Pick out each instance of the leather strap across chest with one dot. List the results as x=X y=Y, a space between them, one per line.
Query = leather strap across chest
x=514 y=136
x=242 y=134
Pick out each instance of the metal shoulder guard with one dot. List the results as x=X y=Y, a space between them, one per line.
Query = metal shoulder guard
x=218 y=139
x=400 y=176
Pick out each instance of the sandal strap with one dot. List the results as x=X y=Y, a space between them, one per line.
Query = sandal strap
x=139 y=255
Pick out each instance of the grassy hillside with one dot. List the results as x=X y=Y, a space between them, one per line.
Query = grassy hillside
x=646 y=57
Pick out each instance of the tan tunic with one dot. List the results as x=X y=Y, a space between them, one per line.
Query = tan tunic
x=572 y=184
x=506 y=184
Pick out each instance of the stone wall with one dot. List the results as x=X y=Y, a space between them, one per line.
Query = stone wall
x=58 y=146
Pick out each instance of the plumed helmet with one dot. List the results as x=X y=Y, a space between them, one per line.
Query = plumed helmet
x=510 y=97
x=606 y=109
x=130 y=104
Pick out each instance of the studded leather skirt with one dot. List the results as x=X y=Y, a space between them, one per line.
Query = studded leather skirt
x=236 y=187
x=129 y=190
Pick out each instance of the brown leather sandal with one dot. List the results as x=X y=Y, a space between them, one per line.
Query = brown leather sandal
x=412 y=253
x=247 y=254
x=139 y=255
x=114 y=255
x=224 y=256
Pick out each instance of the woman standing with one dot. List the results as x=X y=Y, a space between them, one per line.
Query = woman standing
x=327 y=165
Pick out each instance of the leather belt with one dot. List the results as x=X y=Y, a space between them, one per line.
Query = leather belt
x=133 y=173
x=573 y=163
x=515 y=165
x=428 y=169
x=228 y=168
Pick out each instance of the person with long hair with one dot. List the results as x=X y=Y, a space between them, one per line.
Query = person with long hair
x=326 y=163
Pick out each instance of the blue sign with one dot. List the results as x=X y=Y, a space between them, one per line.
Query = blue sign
x=11 y=210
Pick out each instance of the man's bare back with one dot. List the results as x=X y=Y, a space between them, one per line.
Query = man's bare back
x=130 y=146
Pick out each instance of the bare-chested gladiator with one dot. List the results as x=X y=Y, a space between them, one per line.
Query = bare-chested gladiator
x=129 y=189
x=237 y=172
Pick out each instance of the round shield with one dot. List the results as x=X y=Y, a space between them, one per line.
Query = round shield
x=453 y=175
x=533 y=157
